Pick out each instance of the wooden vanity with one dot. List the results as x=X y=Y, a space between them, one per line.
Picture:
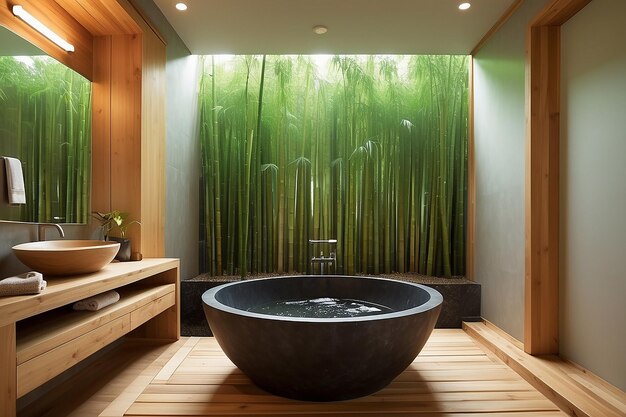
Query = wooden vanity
x=41 y=336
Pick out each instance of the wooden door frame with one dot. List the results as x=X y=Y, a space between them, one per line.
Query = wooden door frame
x=541 y=280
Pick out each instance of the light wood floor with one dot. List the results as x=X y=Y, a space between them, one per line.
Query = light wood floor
x=453 y=376
x=90 y=387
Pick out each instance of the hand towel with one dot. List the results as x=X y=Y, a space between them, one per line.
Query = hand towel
x=27 y=283
x=97 y=302
x=15 y=181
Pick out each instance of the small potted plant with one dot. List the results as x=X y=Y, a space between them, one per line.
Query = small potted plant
x=116 y=219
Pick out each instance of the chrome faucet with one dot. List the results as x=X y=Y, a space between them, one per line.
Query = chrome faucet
x=41 y=230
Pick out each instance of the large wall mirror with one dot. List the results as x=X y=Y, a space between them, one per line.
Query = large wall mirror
x=45 y=121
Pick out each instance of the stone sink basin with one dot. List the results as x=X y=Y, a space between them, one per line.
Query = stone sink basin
x=66 y=257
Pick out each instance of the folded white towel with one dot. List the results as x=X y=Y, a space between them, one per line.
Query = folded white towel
x=97 y=301
x=27 y=283
x=15 y=181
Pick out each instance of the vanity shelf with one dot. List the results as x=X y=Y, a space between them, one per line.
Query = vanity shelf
x=41 y=336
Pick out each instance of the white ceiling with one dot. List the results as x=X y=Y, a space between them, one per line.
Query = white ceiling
x=354 y=26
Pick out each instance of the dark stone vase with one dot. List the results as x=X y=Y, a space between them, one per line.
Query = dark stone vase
x=124 y=254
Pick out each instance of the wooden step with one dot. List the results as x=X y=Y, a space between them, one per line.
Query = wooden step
x=574 y=389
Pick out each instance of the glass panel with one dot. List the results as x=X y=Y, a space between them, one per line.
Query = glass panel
x=368 y=150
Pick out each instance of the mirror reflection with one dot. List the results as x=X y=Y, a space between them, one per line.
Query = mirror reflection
x=45 y=122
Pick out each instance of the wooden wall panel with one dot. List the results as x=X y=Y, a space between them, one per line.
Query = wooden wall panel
x=133 y=177
x=56 y=18
x=153 y=147
x=126 y=127
x=101 y=126
x=542 y=192
x=152 y=135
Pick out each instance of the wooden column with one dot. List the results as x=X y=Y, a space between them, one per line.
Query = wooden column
x=126 y=150
x=153 y=145
x=541 y=318
x=542 y=193
x=8 y=381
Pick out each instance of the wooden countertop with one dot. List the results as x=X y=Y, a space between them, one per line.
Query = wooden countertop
x=64 y=290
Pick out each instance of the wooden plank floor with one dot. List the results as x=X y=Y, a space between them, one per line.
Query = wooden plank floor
x=90 y=387
x=452 y=376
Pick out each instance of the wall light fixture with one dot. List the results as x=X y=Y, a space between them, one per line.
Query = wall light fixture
x=41 y=28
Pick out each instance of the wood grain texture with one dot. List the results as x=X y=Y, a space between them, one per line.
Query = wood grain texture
x=42 y=333
x=101 y=126
x=153 y=146
x=8 y=379
x=56 y=339
x=55 y=17
x=558 y=12
x=452 y=376
x=574 y=389
x=62 y=291
x=542 y=193
x=143 y=314
x=90 y=387
x=101 y=17
x=126 y=130
x=130 y=393
x=42 y=368
x=541 y=298
x=165 y=326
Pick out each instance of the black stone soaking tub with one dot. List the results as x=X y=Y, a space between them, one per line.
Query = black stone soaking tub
x=322 y=359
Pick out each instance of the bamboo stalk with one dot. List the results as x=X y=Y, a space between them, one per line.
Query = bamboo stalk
x=398 y=205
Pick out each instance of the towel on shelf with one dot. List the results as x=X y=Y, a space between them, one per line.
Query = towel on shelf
x=15 y=181
x=97 y=302
x=28 y=283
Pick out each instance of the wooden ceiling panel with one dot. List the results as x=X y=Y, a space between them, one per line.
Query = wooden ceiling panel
x=101 y=17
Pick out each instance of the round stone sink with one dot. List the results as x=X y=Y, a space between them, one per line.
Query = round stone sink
x=66 y=257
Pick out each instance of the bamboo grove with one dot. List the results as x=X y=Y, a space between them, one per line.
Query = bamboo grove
x=369 y=150
x=46 y=123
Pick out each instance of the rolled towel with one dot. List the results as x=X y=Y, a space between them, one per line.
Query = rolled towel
x=15 y=181
x=97 y=302
x=28 y=283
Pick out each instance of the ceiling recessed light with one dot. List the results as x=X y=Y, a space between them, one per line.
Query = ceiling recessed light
x=181 y=6
x=464 y=6
x=320 y=29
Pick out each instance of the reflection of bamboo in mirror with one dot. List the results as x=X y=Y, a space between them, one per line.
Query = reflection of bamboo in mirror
x=46 y=123
x=371 y=151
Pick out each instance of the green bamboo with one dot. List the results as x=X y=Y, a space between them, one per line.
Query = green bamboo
x=371 y=151
x=44 y=125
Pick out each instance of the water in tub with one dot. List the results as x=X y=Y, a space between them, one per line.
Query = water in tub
x=321 y=308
